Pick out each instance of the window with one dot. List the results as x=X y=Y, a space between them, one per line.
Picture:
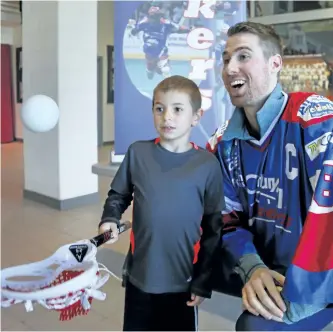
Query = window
x=110 y=74
x=19 y=83
x=266 y=8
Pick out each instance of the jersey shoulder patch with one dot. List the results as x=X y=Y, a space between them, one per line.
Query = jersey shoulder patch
x=216 y=137
x=315 y=107
x=307 y=108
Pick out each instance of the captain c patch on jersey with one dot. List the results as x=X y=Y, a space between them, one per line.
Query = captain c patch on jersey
x=315 y=107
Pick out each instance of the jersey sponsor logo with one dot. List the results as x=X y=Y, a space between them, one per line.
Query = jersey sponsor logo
x=264 y=183
x=319 y=145
x=275 y=215
x=269 y=197
x=265 y=188
x=261 y=185
x=234 y=166
x=281 y=219
x=315 y=107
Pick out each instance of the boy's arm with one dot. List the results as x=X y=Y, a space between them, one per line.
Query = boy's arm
x=211 y=227
x=120 y=195
x=308 y=286
x=114 y=207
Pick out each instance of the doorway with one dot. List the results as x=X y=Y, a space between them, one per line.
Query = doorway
x=7 y=104
x=99 y=101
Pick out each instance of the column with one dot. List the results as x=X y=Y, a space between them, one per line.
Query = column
x=59 y=49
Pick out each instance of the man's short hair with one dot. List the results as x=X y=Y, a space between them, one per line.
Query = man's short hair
x=181 y=84
x=269 y=39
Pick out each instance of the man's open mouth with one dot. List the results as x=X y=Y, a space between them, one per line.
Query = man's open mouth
x=237 y=84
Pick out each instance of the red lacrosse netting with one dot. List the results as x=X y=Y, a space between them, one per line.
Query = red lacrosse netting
x=67 y=312
x=65 y=282
x=75 y=309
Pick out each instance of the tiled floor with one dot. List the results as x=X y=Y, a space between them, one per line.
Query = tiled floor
x=25 y=223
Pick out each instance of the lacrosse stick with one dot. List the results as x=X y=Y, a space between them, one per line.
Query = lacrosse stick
x=66 y=282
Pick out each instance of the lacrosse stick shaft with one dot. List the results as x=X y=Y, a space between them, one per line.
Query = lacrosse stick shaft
x=104 y=237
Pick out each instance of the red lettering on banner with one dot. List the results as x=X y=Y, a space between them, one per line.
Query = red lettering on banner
x=201 y=39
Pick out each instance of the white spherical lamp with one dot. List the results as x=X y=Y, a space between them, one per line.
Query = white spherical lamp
x=39 y=113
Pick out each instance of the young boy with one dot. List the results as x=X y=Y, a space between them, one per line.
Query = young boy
x=176 y=226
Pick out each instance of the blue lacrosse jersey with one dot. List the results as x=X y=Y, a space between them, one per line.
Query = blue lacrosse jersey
x=279 y=191
x=155 y=35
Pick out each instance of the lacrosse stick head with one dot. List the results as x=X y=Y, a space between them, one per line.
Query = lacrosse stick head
x=66 y=282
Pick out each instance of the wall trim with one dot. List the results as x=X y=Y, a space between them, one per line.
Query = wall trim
x=66 y=204
x=116 y=158
x=108 y=143
x=105 y=169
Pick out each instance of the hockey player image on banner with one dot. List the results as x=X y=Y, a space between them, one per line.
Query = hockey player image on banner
x=276 y=157
x=156 y=30
x=158 y=39
x=155 y=43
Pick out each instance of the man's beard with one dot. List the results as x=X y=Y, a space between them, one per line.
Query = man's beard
x=257 y=93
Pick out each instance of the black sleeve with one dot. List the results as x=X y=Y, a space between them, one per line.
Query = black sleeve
x=210 y=242
x=121 y=193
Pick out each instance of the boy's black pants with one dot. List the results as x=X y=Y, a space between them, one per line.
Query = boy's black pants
x=158 y=312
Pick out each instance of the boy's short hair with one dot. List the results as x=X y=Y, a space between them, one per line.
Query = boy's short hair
x=182 y=84
x=271 y=42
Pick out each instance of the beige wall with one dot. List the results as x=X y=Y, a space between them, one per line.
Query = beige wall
x=105 y=37
x=6 y=35
x=13 y=36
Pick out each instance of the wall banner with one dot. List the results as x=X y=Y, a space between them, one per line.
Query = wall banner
x=156 y=39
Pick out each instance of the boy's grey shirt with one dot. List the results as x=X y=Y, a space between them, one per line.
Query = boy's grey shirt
x=176 y=195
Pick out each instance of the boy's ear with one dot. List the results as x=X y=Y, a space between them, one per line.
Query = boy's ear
x=197 y=116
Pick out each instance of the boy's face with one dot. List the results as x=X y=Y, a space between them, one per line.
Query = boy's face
x=174 y=115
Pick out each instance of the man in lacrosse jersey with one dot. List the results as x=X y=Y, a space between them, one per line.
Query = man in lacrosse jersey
x=276 y=156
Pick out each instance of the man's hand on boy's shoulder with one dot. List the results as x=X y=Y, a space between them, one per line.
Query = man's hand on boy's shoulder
x=195 y=300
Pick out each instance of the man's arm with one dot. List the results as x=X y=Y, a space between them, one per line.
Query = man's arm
x=211 y=227
x=238 y=249
x=237 y=240
x=308 y=286
x=121 y=193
